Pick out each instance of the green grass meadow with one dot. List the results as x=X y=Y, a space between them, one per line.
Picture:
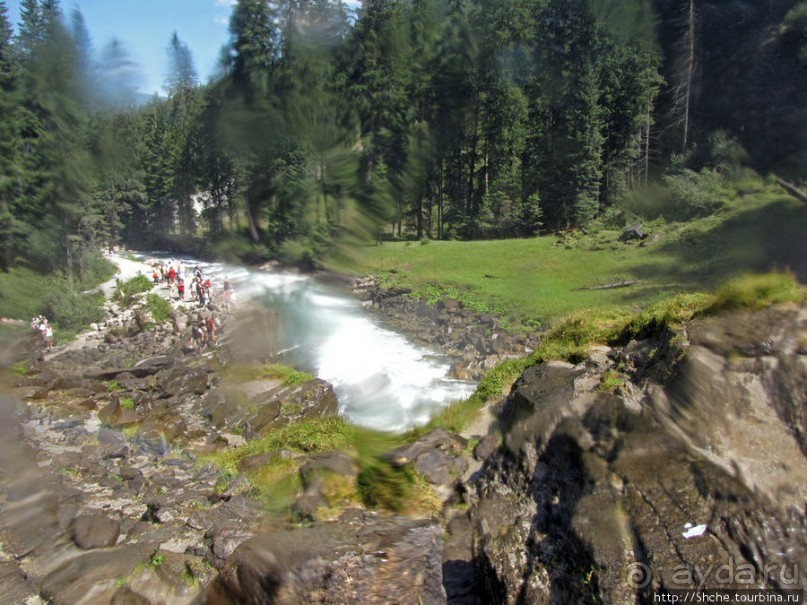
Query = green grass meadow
x=531 y=282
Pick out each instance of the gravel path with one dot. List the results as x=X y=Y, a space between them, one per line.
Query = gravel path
x=127 y=269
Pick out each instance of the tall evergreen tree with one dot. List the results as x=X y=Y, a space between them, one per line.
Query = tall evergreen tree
x=566 y=146
x=83 y=42
x=253 y=45
x=32 y=29
x=182 y=74
x=9 y=140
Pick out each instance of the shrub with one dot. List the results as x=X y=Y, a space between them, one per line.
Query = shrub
x=232 y=248
x=693 y=194
x=299 y=253
x=128 y=290
x=385 y=486
x=68 y=309
x=159 y=308
x=95 y=269
x=726 y=153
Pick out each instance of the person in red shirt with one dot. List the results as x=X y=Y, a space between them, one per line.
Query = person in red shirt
x=181 y=288
x=210 y=324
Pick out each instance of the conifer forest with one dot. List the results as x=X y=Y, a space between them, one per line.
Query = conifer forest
x=439 y=119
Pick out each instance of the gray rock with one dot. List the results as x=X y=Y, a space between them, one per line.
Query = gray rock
x=710 y=466
x=15 y=587
x=94 y=530
x=632 y=232
x=335 y=463
x=180 y=380
x=486 y=446
x=361 y=560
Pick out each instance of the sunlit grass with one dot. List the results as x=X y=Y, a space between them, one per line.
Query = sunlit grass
x=286 y=375
x=379 y=483
x=750 y=291
x=531 y=283
x=572 y=337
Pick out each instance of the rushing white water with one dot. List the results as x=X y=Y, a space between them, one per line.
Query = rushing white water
x=383 y=380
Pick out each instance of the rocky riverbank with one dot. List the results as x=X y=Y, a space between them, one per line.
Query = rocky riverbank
x=598 y=482
x=112 y=498
x=475 y=340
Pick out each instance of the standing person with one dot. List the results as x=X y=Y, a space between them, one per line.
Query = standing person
x=210 y=324
x=198 y=335
x=227 y=292
x=155 y=276
x=48 y=336
x=171 y=275
x=181 y=288
x=200 y=290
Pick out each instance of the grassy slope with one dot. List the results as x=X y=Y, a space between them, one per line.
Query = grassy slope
x=533 y=281
x=25 y=293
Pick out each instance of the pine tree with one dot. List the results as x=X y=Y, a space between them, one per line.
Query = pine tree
x=9 y=140
x=158 y=174
x=32 y=29
x=566 y=150
x=83 y=42
x=182 y=74
x=253 y=45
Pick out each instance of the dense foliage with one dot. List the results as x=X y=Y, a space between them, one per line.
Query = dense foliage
x=418 y=118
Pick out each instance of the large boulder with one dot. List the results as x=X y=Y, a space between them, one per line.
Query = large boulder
x=94 y=530
x=180 y=379
x=361 y=559
x=600 y=495
x=438 y=456
x=632 y=233
x=283 y=405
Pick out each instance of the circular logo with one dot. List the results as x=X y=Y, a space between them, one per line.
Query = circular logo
x=638 y=575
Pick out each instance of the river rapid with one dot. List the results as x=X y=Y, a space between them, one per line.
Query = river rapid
x=382 y=379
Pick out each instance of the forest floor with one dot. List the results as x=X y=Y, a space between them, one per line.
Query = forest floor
x=531 y=282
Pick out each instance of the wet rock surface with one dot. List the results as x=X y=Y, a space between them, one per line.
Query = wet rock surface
x=475 y=340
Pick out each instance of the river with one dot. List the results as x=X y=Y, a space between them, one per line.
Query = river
x=383 y=380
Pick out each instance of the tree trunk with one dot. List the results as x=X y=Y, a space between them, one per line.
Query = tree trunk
x=792 y=189
x=647 y=142
x=440 y=201
x=253 y=228
x=419 y=217
x=690 y=69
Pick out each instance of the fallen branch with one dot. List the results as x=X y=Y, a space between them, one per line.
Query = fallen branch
x=619 y=284
x=792 y=189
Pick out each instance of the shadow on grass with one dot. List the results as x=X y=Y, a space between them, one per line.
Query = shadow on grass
x=760 y=239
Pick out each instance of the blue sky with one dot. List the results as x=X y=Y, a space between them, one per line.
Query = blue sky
x=145 y=28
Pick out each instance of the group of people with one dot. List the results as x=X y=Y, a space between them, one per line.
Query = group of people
x=204 y=333
x=40 y=325
x=199 y=289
